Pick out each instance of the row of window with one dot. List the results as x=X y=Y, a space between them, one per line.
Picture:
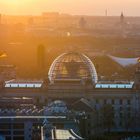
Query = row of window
x=15 y=138
x=14 y=132
x=9 y=126
x=113 y=101
x=127 y=108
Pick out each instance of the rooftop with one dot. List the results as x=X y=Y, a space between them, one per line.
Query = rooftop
x=23 y=84
x=61 y=134
x=114 y=85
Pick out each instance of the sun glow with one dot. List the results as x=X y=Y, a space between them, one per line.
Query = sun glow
x=17 y=6
x=12 y=2
x=16 y=2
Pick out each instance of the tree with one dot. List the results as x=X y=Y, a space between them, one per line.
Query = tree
x=97 y=123
x=107 y=117
x=127 y=120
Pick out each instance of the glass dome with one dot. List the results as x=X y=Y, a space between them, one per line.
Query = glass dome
x=72 y=66
x=56 y=107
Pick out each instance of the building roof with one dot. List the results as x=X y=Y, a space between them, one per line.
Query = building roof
x=82 y=104
x=32 y=117
x=114 y=85
x=23 y=84
x=61 y=134
x=124 y=61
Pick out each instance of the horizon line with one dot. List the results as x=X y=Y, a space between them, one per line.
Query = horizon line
x=70 y=14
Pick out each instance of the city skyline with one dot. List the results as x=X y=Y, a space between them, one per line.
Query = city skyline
x=80 y=7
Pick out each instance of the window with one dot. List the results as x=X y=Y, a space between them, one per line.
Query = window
x=113 y=101
x=121 y=101
x=89 y=116
x=18 y=132
x=18 y=126
x=121 y=123
x=129 y=115
x=121 y=108
x=105 y=101
x=5 y=126
x=8 y=138
x=97 y=101
x=121 y=115
x=128 y=109
x=5 y=132
x=18 y=138
x=88 y=132
x=128 y=102
x=89 y=124
x=46 y=100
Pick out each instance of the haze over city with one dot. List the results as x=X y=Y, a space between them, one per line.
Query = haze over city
x=78 y=7
x=69 y=70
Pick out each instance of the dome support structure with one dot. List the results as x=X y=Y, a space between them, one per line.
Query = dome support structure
x=72 y=65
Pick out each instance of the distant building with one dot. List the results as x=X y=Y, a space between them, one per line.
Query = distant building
x=122 y=18
x=50 y=14
x=7 y=72
x=82 y=23
x=31 y=21
x=106 y=12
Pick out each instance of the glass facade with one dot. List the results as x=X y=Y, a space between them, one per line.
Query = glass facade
x=72 y=66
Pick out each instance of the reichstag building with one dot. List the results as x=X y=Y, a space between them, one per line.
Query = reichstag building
x=72 y=77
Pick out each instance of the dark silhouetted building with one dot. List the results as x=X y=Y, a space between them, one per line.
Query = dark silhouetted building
x=41 y=56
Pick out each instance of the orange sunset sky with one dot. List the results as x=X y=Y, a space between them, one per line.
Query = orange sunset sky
x=87 y=7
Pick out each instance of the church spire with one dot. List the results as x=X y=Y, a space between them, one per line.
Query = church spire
x=122 y=17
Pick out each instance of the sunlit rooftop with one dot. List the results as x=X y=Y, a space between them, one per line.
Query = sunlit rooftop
x=113 y=85
x=61 y=134
x=23 y=84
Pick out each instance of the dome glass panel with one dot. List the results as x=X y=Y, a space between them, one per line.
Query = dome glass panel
x=72 y=66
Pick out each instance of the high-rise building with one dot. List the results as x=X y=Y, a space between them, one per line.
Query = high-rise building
x=82 y=23
x=122 y=18
x=41 y=56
